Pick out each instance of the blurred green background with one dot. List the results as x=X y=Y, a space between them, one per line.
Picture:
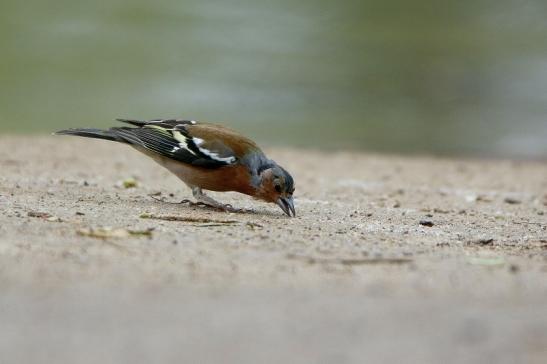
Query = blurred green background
x=464 y=77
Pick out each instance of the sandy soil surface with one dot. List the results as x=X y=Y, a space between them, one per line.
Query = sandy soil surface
x=391 y=259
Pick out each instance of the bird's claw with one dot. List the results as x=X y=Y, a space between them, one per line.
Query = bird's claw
x=221 y=207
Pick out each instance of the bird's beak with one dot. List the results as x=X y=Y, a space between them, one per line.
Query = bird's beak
x=287 y=205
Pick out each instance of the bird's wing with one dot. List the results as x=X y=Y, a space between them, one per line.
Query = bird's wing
x=165 y=123
x=184 y=140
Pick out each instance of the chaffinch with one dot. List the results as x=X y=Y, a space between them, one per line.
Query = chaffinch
x=205 y=157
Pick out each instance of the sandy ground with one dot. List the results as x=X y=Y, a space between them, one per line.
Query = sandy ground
x=391 y=259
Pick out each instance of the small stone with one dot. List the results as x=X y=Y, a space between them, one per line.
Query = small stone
x=471 y=198
x=427 y=223
x=129 y=183
x=513 y=268
x=511 y=200
x=39 y=214
x=482 y=242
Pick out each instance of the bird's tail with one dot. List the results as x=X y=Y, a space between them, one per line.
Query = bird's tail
x=91 y=133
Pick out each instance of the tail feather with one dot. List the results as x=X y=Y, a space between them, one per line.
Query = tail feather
x=92 y=133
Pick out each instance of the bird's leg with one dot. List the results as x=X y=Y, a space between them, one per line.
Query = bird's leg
x=202 y=198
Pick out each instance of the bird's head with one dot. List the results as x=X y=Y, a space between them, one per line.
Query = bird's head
x=277 y=186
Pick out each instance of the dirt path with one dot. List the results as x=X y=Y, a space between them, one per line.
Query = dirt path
x=390 y=259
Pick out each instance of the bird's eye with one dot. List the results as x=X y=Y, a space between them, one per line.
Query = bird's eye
x=278 y=188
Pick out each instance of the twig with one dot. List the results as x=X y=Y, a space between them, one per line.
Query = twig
x=349 y=261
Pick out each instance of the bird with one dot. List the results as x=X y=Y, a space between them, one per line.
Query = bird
x=205 y=156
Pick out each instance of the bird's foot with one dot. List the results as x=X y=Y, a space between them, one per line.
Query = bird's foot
x=216 y=205
x=204 y=200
